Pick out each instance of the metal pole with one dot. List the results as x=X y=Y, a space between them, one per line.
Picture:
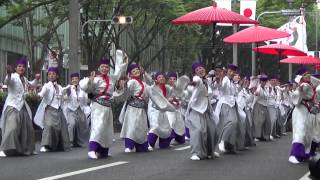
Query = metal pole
x=74 y=39
x=213 y=45
x=253 y=55
x=317 y=48
x=290 y=65
x=253 y=65
x=235 y=47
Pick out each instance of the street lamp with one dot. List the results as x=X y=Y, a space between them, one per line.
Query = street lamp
x=121 y=20
x=114 y=20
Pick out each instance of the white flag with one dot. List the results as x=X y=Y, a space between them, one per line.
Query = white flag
x=248 y=9
x=226 y=4
x=298 y=34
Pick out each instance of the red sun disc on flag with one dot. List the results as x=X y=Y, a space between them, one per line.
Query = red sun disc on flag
x=247 y=12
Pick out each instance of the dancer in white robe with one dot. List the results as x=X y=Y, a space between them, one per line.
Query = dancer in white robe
x=199 y=117
x=16 y=120
x=175 y=118
x=101 y=89
x=227 y=112
x=159 y=123
x=261 y=115
x=274 y=96
x=244 y=101
x=77 y=113
x=303 y=99
x=286 y=106
x=50 y=116
x=133 y=116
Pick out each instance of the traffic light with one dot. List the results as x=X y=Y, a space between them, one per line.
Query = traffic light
x=122 y=20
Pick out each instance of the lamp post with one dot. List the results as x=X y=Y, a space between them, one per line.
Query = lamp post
x=121 y=20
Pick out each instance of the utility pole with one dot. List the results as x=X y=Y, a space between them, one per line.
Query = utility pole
x=290 y=17
x=74 y=38
x=235 y=29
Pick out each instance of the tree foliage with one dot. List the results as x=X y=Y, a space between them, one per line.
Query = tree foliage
x=151 y=31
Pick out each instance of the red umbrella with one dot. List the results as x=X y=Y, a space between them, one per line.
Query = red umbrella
x=280 y=50
x=255 y=34
x=301 y=60
x=213 y=15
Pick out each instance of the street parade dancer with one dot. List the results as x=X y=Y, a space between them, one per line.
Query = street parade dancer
x=101 y=90
x=260 y=113
x=133 y=116
x=77 y=113
x=50 y=116
x=244 y=101
x=227 y=112
x=302 y=119
x=274 y=96
x=159 y=123
x=16 y=120
x=199 y=117
x=175 y=118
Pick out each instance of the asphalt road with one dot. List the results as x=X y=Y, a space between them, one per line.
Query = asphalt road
x=266 y=161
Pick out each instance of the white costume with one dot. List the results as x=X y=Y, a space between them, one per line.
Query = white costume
x=102 y=88
x=302 y=123
x=16 y=119
x=77 y=112
x=50 y=117
x=201 y=121
x=228 y=115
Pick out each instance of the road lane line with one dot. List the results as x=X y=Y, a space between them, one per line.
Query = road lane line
x=305 y=177
x=182 y=148
x=84 y=171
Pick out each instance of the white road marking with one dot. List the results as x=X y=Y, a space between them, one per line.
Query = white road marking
x=305 y=177
x=182 y=148
x=84 y=171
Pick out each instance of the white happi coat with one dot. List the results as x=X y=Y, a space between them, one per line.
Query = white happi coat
x=199 y=100
x=228 y=92
x=261 y=96
x=16 y=94
x=77 y=98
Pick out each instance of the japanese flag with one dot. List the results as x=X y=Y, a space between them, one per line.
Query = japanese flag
x=248 y=9
x=226 y=4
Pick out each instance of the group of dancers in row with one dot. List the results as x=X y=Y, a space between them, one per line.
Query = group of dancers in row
x=219 y=112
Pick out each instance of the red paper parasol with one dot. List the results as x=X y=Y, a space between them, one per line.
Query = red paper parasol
x=213 y=15
x=255 y=34
x=280 y=50
x=301 y=60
